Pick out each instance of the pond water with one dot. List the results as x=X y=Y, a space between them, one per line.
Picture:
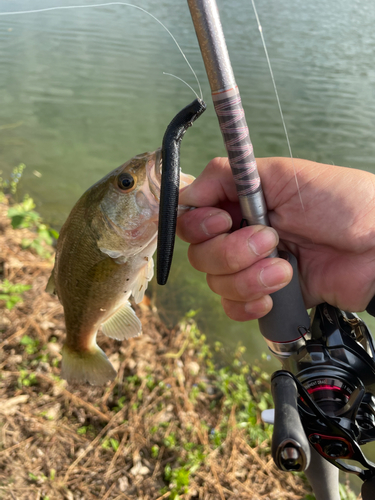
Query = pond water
x=82 y=91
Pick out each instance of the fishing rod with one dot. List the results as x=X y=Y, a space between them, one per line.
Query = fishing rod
x=325 y=394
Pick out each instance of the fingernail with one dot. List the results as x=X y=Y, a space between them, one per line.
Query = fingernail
x=264 y=241
x=274 y=275
x=216 y=223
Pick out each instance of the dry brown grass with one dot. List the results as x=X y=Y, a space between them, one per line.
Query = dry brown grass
x=114 y=442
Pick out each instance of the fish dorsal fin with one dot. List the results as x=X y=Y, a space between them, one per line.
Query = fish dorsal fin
x=141 y=283
x=123 y=324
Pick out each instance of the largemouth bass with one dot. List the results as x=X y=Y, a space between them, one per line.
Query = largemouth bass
x=104 y=255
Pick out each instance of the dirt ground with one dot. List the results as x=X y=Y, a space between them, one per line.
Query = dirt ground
x=146 y=436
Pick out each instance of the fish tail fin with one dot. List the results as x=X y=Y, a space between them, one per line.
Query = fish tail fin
x=90 y=366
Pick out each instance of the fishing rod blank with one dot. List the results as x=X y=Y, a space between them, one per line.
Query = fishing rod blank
x=288 y=320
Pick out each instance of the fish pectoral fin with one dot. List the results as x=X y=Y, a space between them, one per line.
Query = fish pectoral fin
x=123 y=324
x=51 y=288
x=141 y=283
x=116 y=255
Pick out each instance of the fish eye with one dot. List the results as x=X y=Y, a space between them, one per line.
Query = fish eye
x=125 y=181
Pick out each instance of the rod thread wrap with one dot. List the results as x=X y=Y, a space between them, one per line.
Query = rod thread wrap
x=231 y=116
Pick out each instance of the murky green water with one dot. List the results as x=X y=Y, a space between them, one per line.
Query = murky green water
x=82 y=91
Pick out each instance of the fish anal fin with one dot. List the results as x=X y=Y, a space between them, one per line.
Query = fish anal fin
x=123 y=324
x=91 y=366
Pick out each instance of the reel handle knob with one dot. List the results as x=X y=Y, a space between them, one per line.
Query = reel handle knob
x=290 y=447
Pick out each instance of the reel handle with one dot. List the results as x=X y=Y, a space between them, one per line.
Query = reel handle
x=290 y=448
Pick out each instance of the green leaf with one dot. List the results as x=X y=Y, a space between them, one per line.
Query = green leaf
x=26 y=340
x=17 y=221
x=54 y=233
x=28 y=204
x=114 y=443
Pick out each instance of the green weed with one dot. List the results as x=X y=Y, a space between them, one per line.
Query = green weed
x=110 y=443
x=120 y=404
x=33 y=477
x=45 y=415
x=170 y=441
x=31 y=345
x=155 y=451
x=346 y=493
x=11 y=293
x=23 y=215
x=178 y=478
x=10 y=186
x=42 y=478
x=232 y=383
x=26 y=379
x=86 y=430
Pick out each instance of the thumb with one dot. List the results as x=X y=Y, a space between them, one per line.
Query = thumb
x=213 y=186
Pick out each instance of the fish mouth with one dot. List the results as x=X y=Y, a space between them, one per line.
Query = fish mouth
x=154 y=171
x=154 y=167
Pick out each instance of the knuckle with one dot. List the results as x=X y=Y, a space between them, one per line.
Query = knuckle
x=193 y=256
x=214 y=164
x=230 y=309
x=244 y=287
x=231 y=256
x=211 y=282
x=241 y=287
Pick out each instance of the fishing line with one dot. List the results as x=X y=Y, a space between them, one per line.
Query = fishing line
x=278 y=103
x=108 y=4
x=183 y=81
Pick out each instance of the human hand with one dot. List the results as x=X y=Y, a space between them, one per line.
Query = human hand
x=332 y=235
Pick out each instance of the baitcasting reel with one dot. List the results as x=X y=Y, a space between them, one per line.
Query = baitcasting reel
x=325 y=395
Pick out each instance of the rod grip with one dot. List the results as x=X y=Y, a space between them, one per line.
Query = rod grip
x=290 y=447
x=288 y=316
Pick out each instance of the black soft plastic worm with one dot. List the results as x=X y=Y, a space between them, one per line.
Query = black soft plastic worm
x=170 y=182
